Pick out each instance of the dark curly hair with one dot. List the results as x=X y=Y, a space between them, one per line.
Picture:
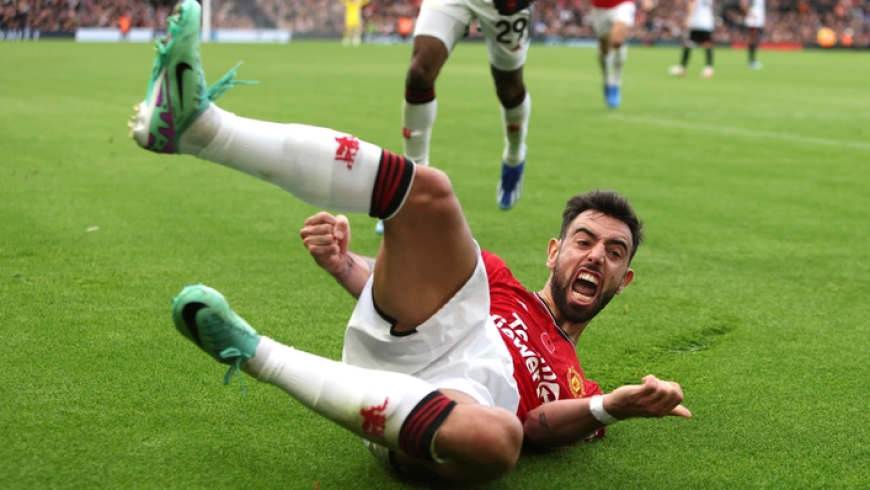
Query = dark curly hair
x=608 y=203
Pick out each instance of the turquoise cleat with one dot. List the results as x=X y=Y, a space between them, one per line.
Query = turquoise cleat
x=204 y=317
x=177 y=93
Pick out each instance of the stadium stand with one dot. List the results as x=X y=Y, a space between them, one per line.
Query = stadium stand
x=658 y=21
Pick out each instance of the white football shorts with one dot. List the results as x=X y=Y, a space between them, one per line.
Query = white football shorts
x=507 y=38
x=603 y=19
x=458 y=348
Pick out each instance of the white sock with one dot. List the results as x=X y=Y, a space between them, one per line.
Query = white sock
x=320 y=166
x=371 y=404
x=620 y=55
x=515 y=122
x=417 y=122
x=610 y=68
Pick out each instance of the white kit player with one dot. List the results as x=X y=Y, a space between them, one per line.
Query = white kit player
x=700 y=24
x=506 y=25
x=754 y=22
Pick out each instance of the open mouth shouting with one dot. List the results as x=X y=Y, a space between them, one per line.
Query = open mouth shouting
x=585 y=286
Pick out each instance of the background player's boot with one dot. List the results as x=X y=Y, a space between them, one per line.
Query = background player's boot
x=613 y=96
x=510 y=186
x=177 y=93
x=379 y=227
x=204 y=317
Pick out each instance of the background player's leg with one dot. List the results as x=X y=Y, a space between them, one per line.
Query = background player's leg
x=708 y=55
x=507 y=51
x=420 y=106
x=619 y=48
x=687 y=52
x=439 y=26
x=516 y=107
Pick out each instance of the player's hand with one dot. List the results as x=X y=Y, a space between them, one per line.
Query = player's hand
x=653 y=398
x=326 y=237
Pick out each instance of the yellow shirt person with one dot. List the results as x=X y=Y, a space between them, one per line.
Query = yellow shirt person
x=352 y=21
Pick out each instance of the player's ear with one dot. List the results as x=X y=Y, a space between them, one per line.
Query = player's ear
x=552 y=252
x=626 y=280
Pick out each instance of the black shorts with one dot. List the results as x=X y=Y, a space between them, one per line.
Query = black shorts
x=754 y=32
x=700 y=37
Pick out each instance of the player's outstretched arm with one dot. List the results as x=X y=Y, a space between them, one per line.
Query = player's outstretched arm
x=327 y=237
x=563 y=423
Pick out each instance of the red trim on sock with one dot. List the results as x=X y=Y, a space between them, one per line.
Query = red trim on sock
x=517 y=101
x=419 y=429
x=392 y=184
x=392 y=170
x=415 y=96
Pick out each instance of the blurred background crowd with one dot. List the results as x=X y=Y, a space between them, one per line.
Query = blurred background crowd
x=658 y=21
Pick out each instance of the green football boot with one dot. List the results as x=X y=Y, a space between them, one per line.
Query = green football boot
x=177 y=93
x=204 y=317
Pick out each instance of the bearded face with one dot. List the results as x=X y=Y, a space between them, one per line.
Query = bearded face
x=589 y=266
x=567 y=284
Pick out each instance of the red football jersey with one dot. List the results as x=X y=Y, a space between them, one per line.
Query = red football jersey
x=608 y=4
x=546 y=367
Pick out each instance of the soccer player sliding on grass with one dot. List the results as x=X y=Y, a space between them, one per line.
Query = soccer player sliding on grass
x=449 y=364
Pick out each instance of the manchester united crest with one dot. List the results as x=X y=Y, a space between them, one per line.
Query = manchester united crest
x=575 y=382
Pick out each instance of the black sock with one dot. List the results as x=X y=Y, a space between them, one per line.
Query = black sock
x=392 y=184
x=419 y=429
x=686 y=53
x=709 y=56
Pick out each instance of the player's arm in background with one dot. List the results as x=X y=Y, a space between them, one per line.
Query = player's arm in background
x=563 y=423
x=327 y=237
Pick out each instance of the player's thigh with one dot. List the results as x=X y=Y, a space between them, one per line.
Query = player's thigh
x=507 y=37
x=624 y=13
x=447 y=20
x=427 y=253
x=605 y=21
x=622 y=19
x=602 y=22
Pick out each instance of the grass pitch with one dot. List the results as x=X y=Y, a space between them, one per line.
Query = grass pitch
x=752 y=289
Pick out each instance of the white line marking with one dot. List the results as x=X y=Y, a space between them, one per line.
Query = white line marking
x=743 y=132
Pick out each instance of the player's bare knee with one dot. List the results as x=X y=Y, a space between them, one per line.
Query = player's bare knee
x=509 y=92
x=509 y=85
x=421 y=74
x=499 y=441
x=431 y=187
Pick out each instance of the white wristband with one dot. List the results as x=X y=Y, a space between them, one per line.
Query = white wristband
x=596 y=406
